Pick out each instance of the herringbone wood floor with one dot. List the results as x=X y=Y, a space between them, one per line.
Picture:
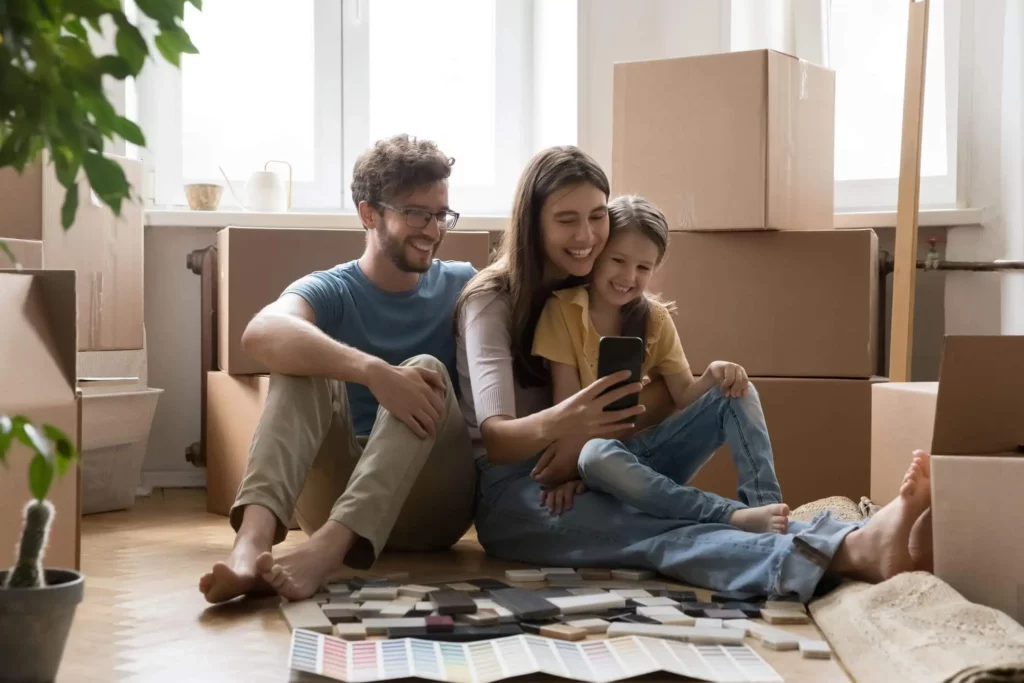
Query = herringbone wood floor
x=144 y=621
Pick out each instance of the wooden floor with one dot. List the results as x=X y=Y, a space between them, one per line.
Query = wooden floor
x=144 y=621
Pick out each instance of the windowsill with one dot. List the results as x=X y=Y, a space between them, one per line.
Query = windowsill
x=184 y=218
x=926 y=218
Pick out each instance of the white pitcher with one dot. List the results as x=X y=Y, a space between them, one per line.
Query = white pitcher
x=264 y=191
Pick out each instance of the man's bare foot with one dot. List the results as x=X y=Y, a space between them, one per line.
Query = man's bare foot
x=880 y=549
x=299 y=573
x=920 y=545
x=237 y=576
x=762 y=519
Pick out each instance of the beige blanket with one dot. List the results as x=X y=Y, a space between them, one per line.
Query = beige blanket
x=915 y=627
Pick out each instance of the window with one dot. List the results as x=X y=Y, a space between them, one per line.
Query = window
x=315 y=82
x=866 y=45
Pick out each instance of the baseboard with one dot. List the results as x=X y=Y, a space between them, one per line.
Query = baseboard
x=174 y=479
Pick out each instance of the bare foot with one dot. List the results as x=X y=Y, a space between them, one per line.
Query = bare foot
x=299 y=573
x=920 y=545
x=880 y=549
x=237 y=576
x=762 y=519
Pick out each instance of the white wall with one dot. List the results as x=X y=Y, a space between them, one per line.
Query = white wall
x=615 y=31
x=173 y=338
x=991 y=303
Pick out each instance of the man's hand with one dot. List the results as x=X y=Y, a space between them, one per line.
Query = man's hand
x=558 y=463
x=730 y=377
x=559 y=499
x=412 y=394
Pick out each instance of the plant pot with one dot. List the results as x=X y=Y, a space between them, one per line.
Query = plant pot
x=34 y=626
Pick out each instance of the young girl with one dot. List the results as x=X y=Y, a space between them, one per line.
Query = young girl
x=649 y=470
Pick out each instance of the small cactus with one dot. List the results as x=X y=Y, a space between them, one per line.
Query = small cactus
x=28 y=572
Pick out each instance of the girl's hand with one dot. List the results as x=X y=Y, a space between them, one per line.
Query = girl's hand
x=559 y=499
x=558 y=463
x=582 y=415
x=731 y=378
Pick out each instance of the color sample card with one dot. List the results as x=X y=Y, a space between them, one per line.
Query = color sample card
x=594 y=661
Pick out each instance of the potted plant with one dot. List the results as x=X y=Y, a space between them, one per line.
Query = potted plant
x=37 y=604
x=52 y=98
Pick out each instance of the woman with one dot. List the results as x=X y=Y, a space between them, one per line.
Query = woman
x=558 y=226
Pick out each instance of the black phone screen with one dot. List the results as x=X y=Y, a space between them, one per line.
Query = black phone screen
x=621 y=353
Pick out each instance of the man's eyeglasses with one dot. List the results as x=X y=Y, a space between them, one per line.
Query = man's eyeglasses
x=420 y=218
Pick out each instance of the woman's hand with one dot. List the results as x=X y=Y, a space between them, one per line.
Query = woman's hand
x=583 y=414
x=559 y=499
x=730 y=377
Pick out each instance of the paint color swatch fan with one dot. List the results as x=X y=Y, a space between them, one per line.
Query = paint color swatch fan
x=596 y=661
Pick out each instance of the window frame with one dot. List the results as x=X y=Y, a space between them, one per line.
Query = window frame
x=160 y=114
x=514 y=102
x=936 y=192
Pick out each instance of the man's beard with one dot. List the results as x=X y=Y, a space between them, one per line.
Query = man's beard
x=395 y=249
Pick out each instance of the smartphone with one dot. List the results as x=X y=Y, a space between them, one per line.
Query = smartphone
x=616 y=354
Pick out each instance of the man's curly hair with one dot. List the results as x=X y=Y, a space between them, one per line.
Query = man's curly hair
x=395 y=166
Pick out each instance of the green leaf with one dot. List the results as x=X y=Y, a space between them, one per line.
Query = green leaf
x=107 y=180
x=129 y=131
x=131 y=46
x=172 y=43
x=75 y=27
x=10 y=254
x=34 y=440
x=63 y=447
x=198 y=4
x=40 y=475
x=115 y=66
x=70 y=207
x=5 y=438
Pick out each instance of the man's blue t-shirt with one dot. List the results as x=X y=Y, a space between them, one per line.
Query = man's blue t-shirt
x=392 y=326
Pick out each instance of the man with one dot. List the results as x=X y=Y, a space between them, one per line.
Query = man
x=365 y=353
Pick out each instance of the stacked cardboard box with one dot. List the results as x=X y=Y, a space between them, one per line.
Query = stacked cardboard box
x=255 y=265
x=37 y=373
x=737 y=150
x=972 y=423
x=105 y=252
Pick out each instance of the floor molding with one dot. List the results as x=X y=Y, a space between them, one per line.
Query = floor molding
x=174 y=479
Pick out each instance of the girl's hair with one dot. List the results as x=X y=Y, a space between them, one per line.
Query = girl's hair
x=634 y=213
x=518 y=271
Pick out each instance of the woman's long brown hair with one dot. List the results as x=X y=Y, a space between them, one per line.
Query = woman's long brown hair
x=518 y=270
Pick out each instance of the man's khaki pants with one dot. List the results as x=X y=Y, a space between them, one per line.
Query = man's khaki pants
x=396 y=490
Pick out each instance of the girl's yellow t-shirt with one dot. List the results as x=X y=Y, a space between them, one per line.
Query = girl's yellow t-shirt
x=566 y=335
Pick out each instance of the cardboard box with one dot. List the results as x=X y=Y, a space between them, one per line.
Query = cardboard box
x=37 y=345
x=21 y=203
x=107 y=253
x=734 y=141
x=29 y=253
x=233 y=407
x=257 y=264
x=781 y=304
x=115 y=432
x=820 y=430
x=972 y=423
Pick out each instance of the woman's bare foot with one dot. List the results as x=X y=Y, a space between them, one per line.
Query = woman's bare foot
x=920 y=545
x=762 y=519
x=880 y=549
x=300 y=573
x=237 y=576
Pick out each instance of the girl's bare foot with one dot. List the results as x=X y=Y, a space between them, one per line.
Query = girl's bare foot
x=767 y=518
x=880 y=549
x=237 y=576
x=299 y=573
